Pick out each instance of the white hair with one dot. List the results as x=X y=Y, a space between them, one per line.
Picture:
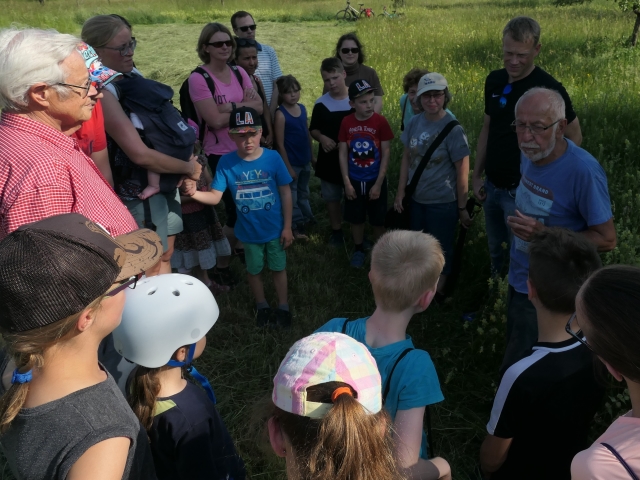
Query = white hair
x=553 y=98
x=29 y=56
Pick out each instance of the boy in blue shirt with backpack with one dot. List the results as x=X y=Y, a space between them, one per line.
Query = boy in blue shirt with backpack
x=405 y=267
x=259 y=182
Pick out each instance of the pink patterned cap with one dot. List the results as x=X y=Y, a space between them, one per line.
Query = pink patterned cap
x=322 y=358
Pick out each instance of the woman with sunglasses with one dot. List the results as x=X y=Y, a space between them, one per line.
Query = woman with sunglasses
x=111 y=37
x=62 y=291
x=607 y=314
x=350 y=51
x=233 y=89
x=440 y=197
x=247 y=58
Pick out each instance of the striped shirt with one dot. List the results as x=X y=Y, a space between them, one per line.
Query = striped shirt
x=44 y=172
x=268 y=68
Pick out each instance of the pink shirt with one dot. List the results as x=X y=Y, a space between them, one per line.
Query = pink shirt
x=225 y=93
x=598 y=463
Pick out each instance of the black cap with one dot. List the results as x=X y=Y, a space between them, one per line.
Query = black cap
x=244 y=120
x=358 y=88
x=54 y=268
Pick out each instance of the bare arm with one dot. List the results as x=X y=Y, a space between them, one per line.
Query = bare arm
x=279 y=129
x=101 y=159
x=286 y=237
x=378 y=105
x=408 y=439
x=325 y=142
x=385 y=147
x=402 y=183
x=462 y=185
x=118 y=125
x=573 y=132
x=267 y=140
x=208 y=198
x=602 y=236
x=493 y=453
x=274 y=99
x=343 y=152
x=105 y=460
x=481 y=157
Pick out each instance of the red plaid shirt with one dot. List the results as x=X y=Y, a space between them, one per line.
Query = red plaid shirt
x=43 y=173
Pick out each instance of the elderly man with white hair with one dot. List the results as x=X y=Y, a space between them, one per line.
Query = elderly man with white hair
x=562 y=185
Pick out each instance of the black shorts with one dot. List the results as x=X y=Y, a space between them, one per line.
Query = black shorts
x=356 y=211
x=227 y=198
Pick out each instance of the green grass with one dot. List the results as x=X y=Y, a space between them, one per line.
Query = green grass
x=583 y=46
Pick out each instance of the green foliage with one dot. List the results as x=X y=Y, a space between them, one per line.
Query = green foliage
x=583 y=46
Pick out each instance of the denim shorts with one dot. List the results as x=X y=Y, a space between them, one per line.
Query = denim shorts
x=331 y=192
x=255 y=253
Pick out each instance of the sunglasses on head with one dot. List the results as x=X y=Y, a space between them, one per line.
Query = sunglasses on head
x=227 y=43
x=243 y=42
x=352 y=50
x=247 y=28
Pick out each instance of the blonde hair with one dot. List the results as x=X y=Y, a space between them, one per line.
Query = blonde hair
x=27 y=350
x=101 y=29
x=404 y=265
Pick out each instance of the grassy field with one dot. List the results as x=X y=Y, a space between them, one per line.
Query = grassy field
x=583 y=46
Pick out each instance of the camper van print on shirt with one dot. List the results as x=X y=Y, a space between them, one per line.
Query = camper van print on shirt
x=254 y=187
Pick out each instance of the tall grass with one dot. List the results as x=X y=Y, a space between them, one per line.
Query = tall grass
x=583 y=46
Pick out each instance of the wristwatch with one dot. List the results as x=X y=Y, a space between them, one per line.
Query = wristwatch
x=233 y=105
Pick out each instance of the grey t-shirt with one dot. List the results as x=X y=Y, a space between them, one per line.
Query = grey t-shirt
x=438 y=181
x=46 y=441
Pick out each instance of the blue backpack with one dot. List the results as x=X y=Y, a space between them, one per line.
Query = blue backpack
x=164 y=128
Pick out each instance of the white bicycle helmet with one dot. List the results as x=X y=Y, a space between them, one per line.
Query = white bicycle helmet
x=162 y=314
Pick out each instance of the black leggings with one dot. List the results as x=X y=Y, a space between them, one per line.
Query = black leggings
x=227 y=198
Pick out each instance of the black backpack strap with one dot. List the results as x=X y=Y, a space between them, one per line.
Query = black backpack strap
x=621 y=460
x=411 y=188
x=403 y=110
x=235 y=70
x=212 y=88
x=148 y=222
x=387 y=386
x=344 y=325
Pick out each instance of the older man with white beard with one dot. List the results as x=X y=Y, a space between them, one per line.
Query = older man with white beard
x=562 y=185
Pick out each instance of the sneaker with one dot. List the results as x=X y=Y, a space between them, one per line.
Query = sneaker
x=283 y=318
x=222 y=276
x=357 y=259
x=298 y=234
x=217 y=289
x=263 y=317
x=336 y=239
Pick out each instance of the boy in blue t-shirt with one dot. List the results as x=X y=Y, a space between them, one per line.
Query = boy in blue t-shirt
x=405 y=267
x=259 y=182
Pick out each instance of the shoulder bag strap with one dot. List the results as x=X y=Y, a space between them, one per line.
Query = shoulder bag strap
x=344 y=325
x=621 y=460
x=387 y=385
x=235 y=70
x=212 y=88
x=411 y=188
x=404 y=109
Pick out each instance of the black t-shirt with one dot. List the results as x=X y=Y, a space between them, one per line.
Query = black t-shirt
x=327 y=117
x=190 y=440
x=502 y=165
x=545 y=403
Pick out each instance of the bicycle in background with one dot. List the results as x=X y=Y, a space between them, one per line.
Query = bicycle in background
x=350 y=14
x=393 y=13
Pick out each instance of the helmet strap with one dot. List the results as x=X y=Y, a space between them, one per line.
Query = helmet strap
x=197 y=376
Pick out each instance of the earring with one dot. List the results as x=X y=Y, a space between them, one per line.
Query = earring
x=284 y=451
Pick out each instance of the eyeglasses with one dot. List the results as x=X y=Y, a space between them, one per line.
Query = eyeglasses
x=352 y=50
x=247 y=28
x=433 y=96
x=506 y=91
x=534 y=129
x=573 y=329
x=228 y=43
x=243 y=42
x=124 y=50
x=85 y=88
x=130 y=282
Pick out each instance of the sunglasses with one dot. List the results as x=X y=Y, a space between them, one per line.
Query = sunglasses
x=573 y=329
x=503 y=98
x=352 y=50
x=247 y=28
x=243 y=42
x=227 y=43
x=124 y=50
x=130 y=282
x=433 y=96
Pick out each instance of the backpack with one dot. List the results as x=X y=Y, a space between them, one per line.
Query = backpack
x=186 y=104
x=164 y=128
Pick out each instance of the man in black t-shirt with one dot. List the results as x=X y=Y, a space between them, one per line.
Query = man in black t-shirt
x=498 y=154
x=545 y=403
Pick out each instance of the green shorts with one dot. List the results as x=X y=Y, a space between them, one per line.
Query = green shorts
x=166 y=214
x=254 y=254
